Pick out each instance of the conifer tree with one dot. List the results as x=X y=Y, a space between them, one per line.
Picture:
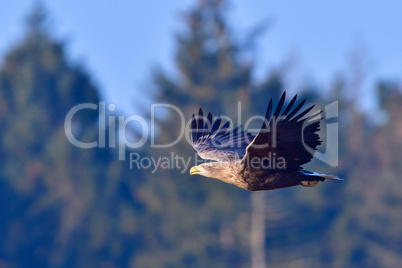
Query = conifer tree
x=60 y=204
x=212 y=72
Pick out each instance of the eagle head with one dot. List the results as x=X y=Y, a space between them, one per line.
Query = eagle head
x=215 y=170
x=202 y=169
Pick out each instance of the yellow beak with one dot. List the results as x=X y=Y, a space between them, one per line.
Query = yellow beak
x=195 y=170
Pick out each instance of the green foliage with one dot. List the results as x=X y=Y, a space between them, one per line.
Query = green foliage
x=368 y=232
x=60 y=204
x=199 y=222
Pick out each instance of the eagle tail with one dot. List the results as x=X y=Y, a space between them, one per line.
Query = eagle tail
x=315 y=175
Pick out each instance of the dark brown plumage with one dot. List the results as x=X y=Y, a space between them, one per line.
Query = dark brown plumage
x=270 y=160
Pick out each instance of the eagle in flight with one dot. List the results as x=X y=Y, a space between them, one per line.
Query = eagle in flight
x=270 y=160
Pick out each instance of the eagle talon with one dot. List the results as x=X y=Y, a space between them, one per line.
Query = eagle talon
x=309 y=183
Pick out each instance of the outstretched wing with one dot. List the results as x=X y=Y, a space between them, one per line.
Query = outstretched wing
x=215 y=142
x=285 y=135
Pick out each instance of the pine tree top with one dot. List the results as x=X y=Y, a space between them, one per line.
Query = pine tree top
x=37 y=20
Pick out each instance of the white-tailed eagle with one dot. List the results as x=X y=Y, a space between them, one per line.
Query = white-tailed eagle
x=270 y=160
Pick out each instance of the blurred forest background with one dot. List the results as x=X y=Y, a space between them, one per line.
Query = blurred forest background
x=61 y=206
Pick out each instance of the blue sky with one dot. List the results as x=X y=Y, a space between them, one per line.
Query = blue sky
x=119 y=41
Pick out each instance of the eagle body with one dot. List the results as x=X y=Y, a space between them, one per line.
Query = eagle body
x=266 y=180
x=238 y=174
x=270 y=160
